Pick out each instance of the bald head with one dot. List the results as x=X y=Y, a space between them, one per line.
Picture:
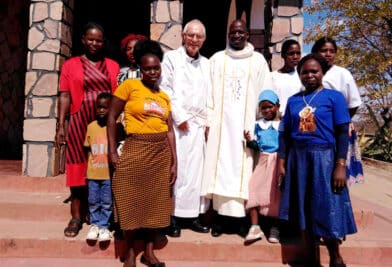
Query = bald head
x=238 y=34
x=193 y=37
x=195 y=23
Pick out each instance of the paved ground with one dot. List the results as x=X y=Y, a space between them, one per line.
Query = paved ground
x=373 y=199
x=45 y=262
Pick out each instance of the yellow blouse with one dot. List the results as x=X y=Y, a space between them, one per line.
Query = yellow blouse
x=145 y=111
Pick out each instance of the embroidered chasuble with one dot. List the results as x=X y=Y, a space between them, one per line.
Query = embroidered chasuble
x=237 y=78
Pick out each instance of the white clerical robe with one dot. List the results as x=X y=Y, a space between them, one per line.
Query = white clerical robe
x=186 y=80
x=237 y=78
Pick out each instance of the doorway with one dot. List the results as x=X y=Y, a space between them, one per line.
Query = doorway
x=13 y=44
x=217 y=18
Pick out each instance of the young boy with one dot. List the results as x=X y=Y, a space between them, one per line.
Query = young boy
x=99 y=187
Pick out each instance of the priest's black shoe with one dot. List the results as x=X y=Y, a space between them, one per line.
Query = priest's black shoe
x=216 y=230
x=198 y=227
x=174 y=230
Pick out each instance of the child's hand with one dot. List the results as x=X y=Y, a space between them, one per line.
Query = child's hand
x=247 y=136
x=281 y=172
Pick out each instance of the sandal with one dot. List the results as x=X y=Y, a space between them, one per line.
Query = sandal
x=73 y=227
x=144 y=260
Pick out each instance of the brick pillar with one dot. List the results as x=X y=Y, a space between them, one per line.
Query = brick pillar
x=166 y=23
x=49 y=43
x=287 y=23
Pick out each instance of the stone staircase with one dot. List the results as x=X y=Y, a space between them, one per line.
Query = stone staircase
x=33 y=217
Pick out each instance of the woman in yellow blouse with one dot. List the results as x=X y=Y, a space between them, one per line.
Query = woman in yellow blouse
x=147 y=167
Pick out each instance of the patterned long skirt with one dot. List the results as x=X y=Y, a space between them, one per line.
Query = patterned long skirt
x=140 y=183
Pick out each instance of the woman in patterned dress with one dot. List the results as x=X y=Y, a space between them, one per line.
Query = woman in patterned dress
x=147 y=168
x=82 y=79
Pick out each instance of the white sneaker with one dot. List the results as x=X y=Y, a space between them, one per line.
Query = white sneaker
x=274 y=235
x=92 y=233
x=254 y=233
x=104 y=235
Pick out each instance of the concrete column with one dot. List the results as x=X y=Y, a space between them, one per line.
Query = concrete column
x=49 y=43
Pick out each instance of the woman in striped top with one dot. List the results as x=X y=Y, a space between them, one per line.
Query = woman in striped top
x=82 y=79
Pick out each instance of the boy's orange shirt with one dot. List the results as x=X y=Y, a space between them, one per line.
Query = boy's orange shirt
x=98 y=163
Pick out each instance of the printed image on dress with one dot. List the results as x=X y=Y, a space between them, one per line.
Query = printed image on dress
x=307 y=121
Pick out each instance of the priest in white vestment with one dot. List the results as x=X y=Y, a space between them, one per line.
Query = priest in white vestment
x=238 y=75
x=185 y=78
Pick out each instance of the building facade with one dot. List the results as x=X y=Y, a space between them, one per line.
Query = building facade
x=37 y=36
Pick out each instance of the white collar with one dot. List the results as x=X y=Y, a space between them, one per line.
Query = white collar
x=247 y=51
x=191 y=59
x=264 y=124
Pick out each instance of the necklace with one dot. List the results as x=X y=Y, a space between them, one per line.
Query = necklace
x=308 y=103
x=308 y=110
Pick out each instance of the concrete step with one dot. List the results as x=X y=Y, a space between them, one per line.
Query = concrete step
x=33 y=184
x=17 y=205
x=58 y=262
x=33 y=217
x=29 y=198
x=31 y=239
x=11 y=179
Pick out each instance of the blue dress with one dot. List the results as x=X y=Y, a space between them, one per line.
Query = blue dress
x=307 y=196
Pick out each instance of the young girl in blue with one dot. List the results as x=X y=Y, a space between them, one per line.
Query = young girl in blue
x=264 y=192
x=312 y=155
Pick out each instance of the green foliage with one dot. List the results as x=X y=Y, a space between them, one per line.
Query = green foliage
x=363 y=32
x=380 y=146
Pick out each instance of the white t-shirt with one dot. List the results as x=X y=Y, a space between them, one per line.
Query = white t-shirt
x=340 y=79
x=285 y=85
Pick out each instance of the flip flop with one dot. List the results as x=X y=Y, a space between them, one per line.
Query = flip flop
x=73 y=227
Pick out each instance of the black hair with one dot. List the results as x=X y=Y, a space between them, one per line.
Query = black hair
x=322 y=41
x=143 y=47
x=286 y=44
x=323 y=63
x=104 y=95
x=92 y=25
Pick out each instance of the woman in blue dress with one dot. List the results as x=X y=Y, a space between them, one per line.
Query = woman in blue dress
x=312 y=157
